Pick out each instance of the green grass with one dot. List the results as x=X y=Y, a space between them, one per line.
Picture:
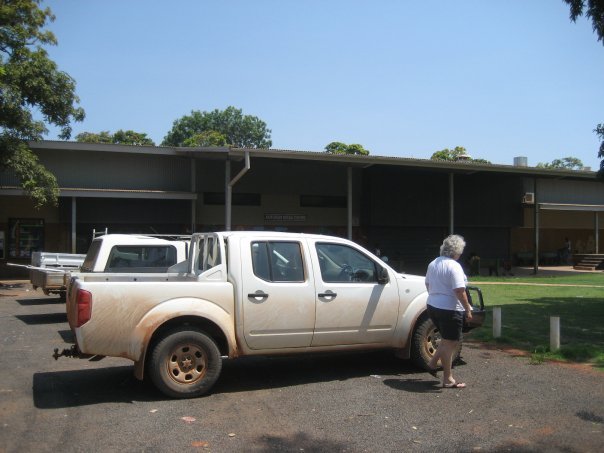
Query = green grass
x=574 y=279
x=525 y=313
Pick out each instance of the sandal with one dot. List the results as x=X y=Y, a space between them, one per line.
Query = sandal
x=454 y=385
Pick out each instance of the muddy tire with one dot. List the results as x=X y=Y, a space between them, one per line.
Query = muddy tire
x=426 y=339
x=185 y=363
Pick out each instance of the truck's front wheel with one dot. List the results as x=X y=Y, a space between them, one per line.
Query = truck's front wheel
x=185 y=363
x=426 y=339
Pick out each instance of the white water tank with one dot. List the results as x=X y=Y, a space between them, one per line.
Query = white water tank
x=520 y=161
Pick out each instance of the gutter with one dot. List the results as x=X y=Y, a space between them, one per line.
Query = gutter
x=230 y=185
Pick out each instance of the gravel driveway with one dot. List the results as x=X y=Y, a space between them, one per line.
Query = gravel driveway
x=355 y=402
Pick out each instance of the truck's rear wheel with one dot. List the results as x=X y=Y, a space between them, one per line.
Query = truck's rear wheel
x=185 y=363
x=426 y=339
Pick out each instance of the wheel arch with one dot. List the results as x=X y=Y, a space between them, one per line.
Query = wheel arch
x=410 y=318
x=205 y=325
x=199 y=315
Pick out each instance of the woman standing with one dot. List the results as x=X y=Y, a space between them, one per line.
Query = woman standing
x=447 y=305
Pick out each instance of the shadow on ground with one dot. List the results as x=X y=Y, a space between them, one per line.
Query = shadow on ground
x=117 y=383
x=43 y=318
x=50 y=300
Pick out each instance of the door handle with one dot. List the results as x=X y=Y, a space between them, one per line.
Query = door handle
x=258 y=295
x=328 y=295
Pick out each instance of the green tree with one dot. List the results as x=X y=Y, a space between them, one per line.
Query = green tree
x=599 y=130
x=241 y=131
x=459 y=152
x=206 y=138
x=121 y=137
x=34 y=93
x=593 y=9
x=91 y=137
x=130 y=137
x=456 y=154
x=343 y=148
x=570 y=163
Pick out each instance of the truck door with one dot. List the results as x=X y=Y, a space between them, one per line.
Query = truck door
x=278 y=294
x=352 y=307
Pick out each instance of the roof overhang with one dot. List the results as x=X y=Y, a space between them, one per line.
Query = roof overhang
x=572 y=207
x=107 y=193
x=236 y=154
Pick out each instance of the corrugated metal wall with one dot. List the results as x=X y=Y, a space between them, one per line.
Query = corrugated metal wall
x=566 y=192
x=92 y=170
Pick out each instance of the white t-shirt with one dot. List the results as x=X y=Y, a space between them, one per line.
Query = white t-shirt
x=443 y=277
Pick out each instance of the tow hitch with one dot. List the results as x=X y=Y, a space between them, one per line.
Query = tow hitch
x=75 y=353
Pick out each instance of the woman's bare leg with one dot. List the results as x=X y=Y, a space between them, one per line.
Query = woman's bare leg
x=444 y=353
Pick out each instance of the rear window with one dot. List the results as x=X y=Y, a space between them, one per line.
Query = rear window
x=141 y=258
x=208 y=255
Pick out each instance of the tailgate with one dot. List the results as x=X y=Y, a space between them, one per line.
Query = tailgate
x=46 y=279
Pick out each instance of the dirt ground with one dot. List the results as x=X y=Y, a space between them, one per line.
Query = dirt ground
x=369 y=402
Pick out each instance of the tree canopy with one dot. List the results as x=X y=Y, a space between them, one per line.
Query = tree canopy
x=599 y=130
x=34 y=93
x=592 y=9
x=569 y=163
x=239 y=130
x=343 y=148
x=456 y=154
x=121 y=137
x=206 y=138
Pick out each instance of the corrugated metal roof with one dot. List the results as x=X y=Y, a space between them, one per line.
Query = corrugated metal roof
x=319 y=156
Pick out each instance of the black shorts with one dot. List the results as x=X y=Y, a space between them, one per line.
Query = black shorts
x=448 y=322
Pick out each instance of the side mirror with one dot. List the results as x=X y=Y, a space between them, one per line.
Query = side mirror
x=383 y=277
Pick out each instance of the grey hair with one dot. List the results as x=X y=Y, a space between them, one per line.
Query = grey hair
x=452 y=245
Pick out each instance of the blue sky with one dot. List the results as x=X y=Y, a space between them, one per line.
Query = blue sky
x=403 y=78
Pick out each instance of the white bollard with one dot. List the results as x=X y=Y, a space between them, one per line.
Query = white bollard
x=554 y=333
x=496 y=322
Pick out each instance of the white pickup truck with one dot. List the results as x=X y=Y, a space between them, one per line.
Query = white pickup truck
x=116 y=253
x=244 y=294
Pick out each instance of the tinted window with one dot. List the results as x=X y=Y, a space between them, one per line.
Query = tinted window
x=141 y=258
x=278 y=261
x=341 y=263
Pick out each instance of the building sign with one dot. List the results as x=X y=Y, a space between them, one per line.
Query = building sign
x=285 y=217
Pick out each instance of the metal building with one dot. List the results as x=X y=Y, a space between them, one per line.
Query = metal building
x=402 y=206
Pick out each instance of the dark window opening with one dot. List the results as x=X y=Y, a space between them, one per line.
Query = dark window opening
x=237 y=199
x=322 y=201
